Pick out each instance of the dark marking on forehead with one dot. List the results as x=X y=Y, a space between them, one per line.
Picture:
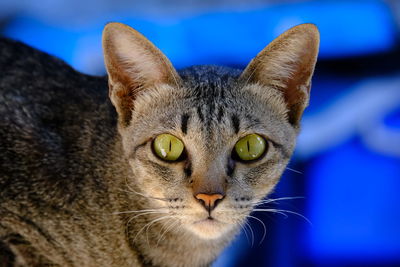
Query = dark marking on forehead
x=220 y=113
x=184 y=123
x=210 y=87
x=200 y=114
x=222 y=94
x=211 y=108
x=235 y=123
x=252 y=121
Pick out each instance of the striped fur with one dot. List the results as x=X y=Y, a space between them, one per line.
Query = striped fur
x=79 y=182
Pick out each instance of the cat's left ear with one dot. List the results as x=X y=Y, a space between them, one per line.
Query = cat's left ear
x=287 y=64
x=133 y=65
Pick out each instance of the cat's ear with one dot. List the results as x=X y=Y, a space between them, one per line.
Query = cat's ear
x=287 y=64
x=133 y=64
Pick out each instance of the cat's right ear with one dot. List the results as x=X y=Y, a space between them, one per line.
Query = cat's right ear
x=133 y=64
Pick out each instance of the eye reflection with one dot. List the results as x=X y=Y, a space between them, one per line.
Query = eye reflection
x=250 y=147
x=168 y=147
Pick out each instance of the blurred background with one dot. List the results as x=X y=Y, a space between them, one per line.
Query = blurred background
x=345 y=175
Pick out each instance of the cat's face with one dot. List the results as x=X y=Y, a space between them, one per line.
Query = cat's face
x=208 y=117
x=209 y=131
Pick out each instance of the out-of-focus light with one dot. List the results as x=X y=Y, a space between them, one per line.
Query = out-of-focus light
x=347 y=28
x=353 y=204
x=360 y=110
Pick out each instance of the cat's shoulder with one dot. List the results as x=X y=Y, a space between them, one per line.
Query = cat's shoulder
x=34 y=73
x=49 y=115
x=39 y=91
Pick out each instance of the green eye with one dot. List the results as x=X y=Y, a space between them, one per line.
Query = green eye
x=250 y=147
x=168 y=147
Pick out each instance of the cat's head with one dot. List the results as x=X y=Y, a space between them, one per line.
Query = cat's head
x=208 y=143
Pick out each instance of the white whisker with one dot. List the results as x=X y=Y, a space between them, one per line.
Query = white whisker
x=282 y=212
x=137 y=211
x=141 y=214
x=173 y=224
x=293 y=170
x=242 y=226
x=239 y=184
x=271 y=200
x=263 y=225
x=147 y=226
x=142 y=195
x=251 y=232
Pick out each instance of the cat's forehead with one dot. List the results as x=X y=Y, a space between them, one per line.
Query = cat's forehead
x=210 y=91
x=209 y=80
x=212 y=104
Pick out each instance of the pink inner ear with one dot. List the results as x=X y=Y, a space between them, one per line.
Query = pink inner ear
x=133 y=64
x=140 y=64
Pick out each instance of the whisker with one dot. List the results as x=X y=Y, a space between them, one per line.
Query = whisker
x=147 y=226
x=239 y=183
x=293 y=170
x=251 y=232
x=142 y=195
x=282 y=212
x=272 y=211
x=137 y=211
x=271 y=200
x=245 y=231
x=264 y=227
x=141 y=214
x=145 y=213
x=162 y=228
x=172 y=225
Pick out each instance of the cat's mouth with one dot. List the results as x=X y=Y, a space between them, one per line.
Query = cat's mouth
x=208 y=224
x=209 y=219
x=209 y=227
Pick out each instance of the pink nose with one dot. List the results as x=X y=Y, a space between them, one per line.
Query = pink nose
x=209 y=201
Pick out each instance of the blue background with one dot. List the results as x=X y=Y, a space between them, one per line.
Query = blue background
x=347 y=162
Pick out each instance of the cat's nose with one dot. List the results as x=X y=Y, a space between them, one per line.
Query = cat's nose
x=209 y=201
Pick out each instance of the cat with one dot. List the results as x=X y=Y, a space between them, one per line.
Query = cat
x=165 y=173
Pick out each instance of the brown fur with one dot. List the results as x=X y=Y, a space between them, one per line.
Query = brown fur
x=108 y=200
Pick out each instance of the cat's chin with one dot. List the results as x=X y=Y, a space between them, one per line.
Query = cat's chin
x=209 y=228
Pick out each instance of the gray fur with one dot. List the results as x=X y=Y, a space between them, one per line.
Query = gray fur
x=80 y=184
